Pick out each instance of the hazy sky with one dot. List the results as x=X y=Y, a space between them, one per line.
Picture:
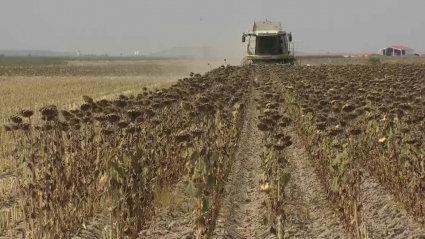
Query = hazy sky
x=114 y=27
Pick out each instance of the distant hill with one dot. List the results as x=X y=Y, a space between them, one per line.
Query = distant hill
x=36 y=53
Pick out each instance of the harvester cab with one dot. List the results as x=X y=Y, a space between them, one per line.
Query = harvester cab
x=268 y=43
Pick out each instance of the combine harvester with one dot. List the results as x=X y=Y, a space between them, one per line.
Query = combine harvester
x=268 y=43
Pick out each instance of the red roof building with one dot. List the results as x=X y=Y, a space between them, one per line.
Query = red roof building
x=402 y=48
x=397 y=51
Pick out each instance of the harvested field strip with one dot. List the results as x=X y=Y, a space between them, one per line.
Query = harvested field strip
x=147 y=69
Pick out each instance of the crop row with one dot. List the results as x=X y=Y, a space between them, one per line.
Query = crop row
x=357 y=117
x=272 y=122
x=113 y=154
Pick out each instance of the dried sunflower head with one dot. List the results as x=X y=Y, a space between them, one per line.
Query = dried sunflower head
x=107 y=131
x=26 y=113
x=16 y=119
x=49 y=111
x=85 y=107
x=25 y=126
x=182 y=136
x=7 y=128
x=113 y=118
x=122 y=124
x=47 y=126
x=133 y=114
x=121 y=103
x=87 y=99
x=348 y=108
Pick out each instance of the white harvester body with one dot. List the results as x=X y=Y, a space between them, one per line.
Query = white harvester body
x=267 y=42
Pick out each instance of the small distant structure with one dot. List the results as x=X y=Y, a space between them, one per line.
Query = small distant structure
x=78 y=53
x=136 y=53
x=396 y=51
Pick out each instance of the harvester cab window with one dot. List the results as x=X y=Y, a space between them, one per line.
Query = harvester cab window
x=269 y=45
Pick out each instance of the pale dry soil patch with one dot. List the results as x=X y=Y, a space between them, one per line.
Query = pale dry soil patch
x=383 y=216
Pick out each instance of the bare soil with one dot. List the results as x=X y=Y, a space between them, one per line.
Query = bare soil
x=383 y=216
x=242 y=212
x=309 y=214
x=174 y=220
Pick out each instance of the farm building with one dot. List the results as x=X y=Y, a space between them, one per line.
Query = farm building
x=397 y=51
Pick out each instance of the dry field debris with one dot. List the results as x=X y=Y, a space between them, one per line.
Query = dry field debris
x=303 y=152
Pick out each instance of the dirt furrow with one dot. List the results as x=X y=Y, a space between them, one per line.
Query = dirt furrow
x=309 y=213
x=383 y=216
x=174 y=220
x=242 y=212
x=97 y=227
